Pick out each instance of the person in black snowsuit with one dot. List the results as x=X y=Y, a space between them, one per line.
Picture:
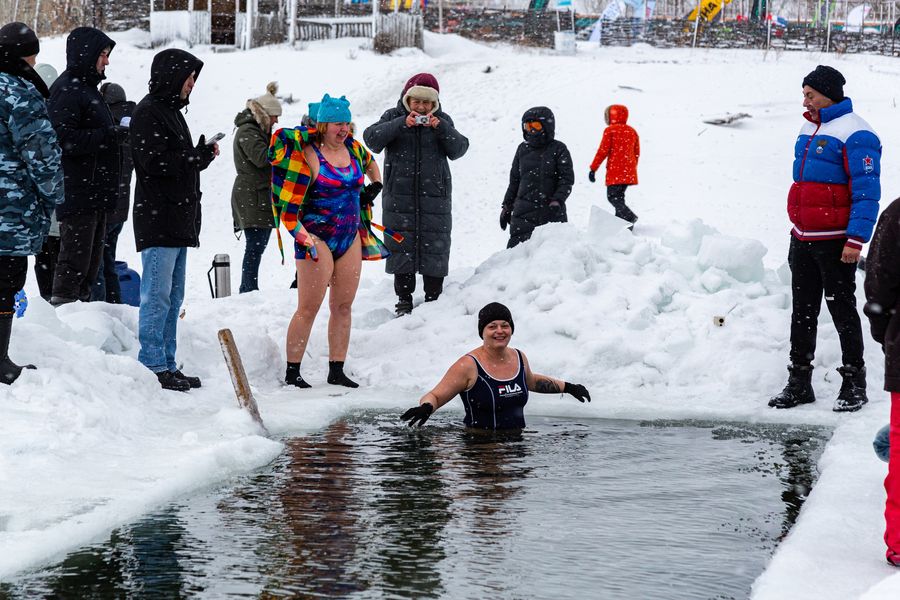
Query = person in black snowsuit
x=90 y=144
x=166 y=222
x=540 y=180
x=417 y=192
x=107 y=287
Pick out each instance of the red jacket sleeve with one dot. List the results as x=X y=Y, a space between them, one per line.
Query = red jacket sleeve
x=602 y=151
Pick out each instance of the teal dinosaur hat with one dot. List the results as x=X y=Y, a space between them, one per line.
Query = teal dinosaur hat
x=333 y=110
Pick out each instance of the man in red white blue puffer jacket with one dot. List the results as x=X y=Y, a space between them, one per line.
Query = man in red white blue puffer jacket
x=833 y=205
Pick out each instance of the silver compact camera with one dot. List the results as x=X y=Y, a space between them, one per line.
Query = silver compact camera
x=422 y=120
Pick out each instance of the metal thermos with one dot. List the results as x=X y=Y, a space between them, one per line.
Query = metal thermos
x=222 y=266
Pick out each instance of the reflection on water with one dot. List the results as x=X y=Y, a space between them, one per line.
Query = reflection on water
x=370 y=509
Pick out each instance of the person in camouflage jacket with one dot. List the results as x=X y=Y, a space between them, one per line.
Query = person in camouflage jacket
x=31 y=178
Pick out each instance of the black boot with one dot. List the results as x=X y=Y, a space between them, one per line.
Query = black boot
x=9 y=371
x=292 y=376
x=336 y=375
x=404 y=306
x=798 y=389
x=853 y=389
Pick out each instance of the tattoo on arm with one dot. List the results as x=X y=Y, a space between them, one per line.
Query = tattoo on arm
x=546 y=386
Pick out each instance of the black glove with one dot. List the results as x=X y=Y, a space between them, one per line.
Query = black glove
x=207 y=151
x=555 y=211
x=592 y=176
x=420 y=413
x=577 y=390
x=368 y=194
x=505 y=216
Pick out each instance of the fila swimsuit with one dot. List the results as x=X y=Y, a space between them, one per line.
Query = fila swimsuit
x=332 y=212
x=494 y=403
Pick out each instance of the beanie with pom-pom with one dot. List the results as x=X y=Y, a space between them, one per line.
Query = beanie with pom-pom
x=268 y=100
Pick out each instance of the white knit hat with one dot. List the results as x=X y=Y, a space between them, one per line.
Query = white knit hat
x=268 y=100
x=47 y=73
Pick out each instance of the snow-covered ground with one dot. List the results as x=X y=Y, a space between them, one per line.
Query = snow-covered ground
x=89 y=441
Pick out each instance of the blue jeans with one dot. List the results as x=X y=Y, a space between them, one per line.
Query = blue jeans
x=162 y=292
x=257 y=240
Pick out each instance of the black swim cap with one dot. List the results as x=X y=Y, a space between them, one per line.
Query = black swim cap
x=493 y=312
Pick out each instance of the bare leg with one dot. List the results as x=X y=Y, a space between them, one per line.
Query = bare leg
x=314 y=276
x=344 y=283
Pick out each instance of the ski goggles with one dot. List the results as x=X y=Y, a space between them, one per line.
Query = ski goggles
x=532 y=126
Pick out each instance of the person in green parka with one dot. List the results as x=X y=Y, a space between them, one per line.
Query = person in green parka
x=251 y=202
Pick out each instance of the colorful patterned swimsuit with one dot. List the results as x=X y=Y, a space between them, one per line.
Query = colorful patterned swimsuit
x=331 y=210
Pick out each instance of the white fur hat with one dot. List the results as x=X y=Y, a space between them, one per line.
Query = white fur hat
x=422 y=86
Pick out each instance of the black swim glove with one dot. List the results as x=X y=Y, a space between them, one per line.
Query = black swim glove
x=577 y=390
x=418 y=414
x=368 y=194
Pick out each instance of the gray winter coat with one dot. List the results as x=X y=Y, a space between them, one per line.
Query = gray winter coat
x=417 y=189
x=251 y=200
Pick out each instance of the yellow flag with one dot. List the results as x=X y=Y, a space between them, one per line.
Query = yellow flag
x=708 y=9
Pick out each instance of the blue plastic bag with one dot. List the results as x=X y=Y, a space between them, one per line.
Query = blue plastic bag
x=882 y=443
x=20 y=304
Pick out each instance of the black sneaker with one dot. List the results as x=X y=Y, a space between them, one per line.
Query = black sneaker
x=194 y=382
x=404 y=306
x=168 y=381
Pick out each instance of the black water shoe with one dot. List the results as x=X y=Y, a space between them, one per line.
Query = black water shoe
x=336 y=375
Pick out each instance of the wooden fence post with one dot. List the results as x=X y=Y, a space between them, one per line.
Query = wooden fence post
x=239 y=376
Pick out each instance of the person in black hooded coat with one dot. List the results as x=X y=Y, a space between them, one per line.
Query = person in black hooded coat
x=166 y=220
x=540 y=180
x=90 y=144
x=417 y=192
x=107 y=288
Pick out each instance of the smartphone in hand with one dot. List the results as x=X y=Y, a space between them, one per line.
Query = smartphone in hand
x=214 y=139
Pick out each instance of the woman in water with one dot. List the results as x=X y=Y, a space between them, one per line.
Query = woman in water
x=317 y=189
x=493 y=380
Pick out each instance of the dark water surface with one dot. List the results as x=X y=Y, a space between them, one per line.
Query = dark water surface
x=566 y=509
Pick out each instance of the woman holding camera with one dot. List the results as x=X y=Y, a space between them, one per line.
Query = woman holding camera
x=418 y=138
x=492 y=380
x=317 y=188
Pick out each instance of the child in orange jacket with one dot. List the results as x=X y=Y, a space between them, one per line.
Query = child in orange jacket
x=620 y=147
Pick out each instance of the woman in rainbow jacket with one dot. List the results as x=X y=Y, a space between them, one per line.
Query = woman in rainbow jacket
x=318 y=195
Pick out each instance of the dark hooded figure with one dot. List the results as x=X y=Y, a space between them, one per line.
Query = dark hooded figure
x=418 y=138
x=540 y=180
x=167 y=168
x=90 y=158
x=107 y=288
